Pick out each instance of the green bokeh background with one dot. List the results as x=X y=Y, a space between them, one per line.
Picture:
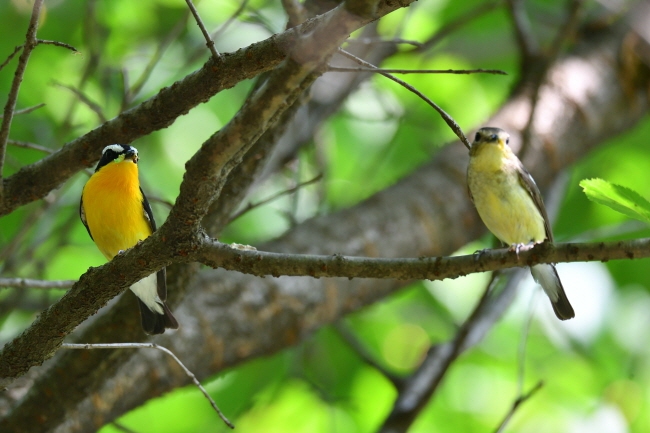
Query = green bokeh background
x=595 y=369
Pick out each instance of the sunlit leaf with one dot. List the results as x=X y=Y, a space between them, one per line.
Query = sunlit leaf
x=617 y=197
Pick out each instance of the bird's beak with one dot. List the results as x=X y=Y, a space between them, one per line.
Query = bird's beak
x=132 y=155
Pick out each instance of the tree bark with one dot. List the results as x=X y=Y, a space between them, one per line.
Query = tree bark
x=227 y=318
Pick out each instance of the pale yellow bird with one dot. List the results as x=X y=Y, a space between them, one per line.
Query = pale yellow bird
x=509 y=203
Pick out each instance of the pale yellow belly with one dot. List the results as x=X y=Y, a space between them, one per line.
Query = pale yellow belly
x=506 y=208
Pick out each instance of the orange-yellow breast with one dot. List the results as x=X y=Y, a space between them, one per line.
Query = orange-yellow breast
x=113 y=206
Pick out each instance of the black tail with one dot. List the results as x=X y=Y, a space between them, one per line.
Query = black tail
x=154 y=323
x=562 y=307
x=547 y=277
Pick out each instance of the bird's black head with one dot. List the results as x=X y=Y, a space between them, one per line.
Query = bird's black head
x=117 y=153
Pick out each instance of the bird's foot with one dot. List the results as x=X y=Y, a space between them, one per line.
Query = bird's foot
x=478 y=253
x=516 y=248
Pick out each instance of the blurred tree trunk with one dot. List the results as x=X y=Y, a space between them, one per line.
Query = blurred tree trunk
x=228 y=318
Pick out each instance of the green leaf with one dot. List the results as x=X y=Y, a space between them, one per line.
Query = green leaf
x=619 y=198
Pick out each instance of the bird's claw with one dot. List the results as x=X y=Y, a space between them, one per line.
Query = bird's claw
x=516 y=248
x=478 y=253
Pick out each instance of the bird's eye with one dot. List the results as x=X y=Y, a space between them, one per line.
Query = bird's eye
x=508 y=140
x=477 y=137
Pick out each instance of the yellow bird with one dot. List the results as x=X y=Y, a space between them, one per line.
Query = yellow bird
x=509 y=203
x=117 y=215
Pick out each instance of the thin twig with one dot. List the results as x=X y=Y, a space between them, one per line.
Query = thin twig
x=26 y=110
x=523 y=344
x=221 y=29
x=11 y=56
x=57 y=43
x=208 y=40
x=346 y=333
x=420 y=386
x=231 y=19
x=163 y=349
x=379 y=40
x=417 y=71
x=518 y=402
x=28 y=145
x=94 y=52
x=568 y=29
x=10 y=106
x=96 y=108
x=296 y=12
x=26 y=225
x=26 y=283
x=131 y=93
x=462 y=20
x=252 y=206
x=528 y=44
x=121 y=427
x=543 y=64
x=446 y=117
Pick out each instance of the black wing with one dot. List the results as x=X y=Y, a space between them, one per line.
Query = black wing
x=148 y=214
x=527 y=181
x=162 y=274
x=82 y=215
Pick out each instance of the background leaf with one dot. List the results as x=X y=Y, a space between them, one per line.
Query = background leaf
x=619 y=198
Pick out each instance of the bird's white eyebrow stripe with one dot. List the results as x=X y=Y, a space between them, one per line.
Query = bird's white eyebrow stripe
x=114 y=147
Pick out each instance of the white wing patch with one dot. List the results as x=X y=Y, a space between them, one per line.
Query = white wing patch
x=147 y=290
x=114 y=147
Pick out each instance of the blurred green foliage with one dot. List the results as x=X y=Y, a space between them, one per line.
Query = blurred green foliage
x=620 y=198
x=596 y=369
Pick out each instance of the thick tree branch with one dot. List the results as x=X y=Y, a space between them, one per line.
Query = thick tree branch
x=120 y=322
x=262 y=264
x=234 y=317
x=93 y=290
x=161 y=110
x=230 y=318
x=206 y=170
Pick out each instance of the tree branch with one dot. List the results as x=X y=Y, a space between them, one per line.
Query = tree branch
x=518 y=402
x=30 y=43
x=208 y=40
x=25 y=283
x=420 y=386
x=161 y=110
x=446 y=117
x=187 y=371
x=27 y=110
x=260 y=316
x=259 y=263
x=11 y=56
x=206 y=172
x=418 y=71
